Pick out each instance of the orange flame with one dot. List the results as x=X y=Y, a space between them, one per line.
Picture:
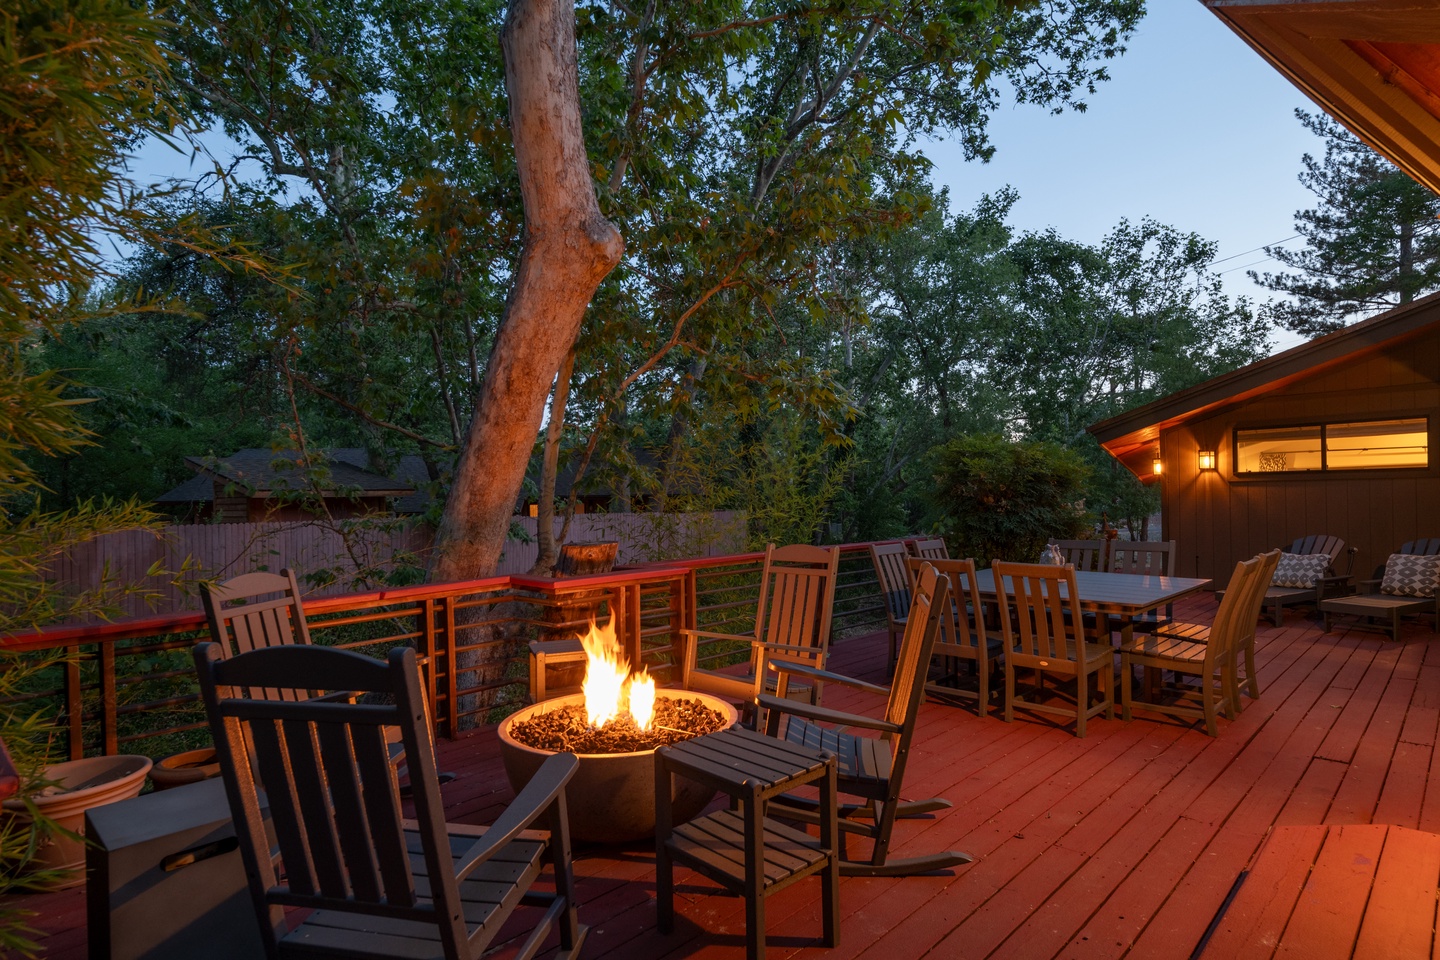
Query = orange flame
x=609 y=688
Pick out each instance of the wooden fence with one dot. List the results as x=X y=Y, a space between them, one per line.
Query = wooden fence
x=344 y=556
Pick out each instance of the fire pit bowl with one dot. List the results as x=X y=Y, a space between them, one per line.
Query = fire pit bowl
x=612 y=796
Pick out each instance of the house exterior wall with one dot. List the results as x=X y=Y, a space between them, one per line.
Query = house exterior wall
x=1218 y=518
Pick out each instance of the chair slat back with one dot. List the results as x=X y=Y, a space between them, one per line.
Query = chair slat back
x=929 y=600
x=962 y=629
x=333 y=795
x=1235 y=615
x=1040 y=609
x=1153 y=558
x=239 y=622
x=1082 y=554
x=1421 y=548
x=931 y=548
x=797 y=597
x=1319 y=543
x=889 y=560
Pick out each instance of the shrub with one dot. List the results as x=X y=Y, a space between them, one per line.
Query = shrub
x=1004 y=500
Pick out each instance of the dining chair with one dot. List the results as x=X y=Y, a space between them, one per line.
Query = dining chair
x=1043 y=630
x=963 y=634
x=792 y=625
x=1083 y=554
x=928 y=548
x=1212 y=661
x=1249 y=607
x=370 y=884
x=889 y=560
x=1146 y=558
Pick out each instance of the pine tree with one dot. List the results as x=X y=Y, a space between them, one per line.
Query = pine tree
x=1372 y=242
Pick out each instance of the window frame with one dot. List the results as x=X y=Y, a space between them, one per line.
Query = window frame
x=1325 y=467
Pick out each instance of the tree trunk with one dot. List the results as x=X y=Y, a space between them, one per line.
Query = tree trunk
x=545 y=511
x=568 y=248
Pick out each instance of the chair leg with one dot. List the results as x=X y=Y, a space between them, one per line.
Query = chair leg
x=1107 y=687
x=1207 y=702
x=1082 y=700
x=1009 y=692
x=982 y=704
x=1252 y=679
x=1126 y=680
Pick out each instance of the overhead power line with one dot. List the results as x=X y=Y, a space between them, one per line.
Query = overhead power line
x=1256 y=250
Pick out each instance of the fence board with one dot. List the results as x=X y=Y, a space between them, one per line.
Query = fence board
x=344 y=557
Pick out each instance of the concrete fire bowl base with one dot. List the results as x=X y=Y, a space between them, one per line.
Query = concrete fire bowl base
x=611 y=798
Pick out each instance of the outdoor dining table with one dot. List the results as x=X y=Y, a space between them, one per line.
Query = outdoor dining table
x=1124 y=596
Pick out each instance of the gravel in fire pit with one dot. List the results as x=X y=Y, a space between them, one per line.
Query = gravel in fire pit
x=565 y=730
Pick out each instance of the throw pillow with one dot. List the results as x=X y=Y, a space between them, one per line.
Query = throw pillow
x=1411 y=576
x=1300 y=569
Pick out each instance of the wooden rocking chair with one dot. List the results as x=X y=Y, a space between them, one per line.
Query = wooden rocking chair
x=872 y=768
x=370 y=884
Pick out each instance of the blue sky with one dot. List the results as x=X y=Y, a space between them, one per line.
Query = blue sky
x=1194 y=129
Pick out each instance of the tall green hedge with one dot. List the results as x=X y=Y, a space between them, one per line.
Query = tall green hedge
x=1003 y=500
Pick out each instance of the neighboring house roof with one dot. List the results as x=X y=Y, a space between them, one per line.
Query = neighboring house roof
x=1130 y=436
x=260 y=471
x=1374 y=65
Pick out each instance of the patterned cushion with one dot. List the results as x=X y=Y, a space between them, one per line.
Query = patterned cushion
x=1410 y=576
x=1300 y=569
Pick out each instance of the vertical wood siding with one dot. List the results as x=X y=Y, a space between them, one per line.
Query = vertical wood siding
x=1218 y=518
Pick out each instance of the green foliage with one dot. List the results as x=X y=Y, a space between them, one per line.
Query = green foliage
x=1372 y=240
x=25 y=729
x=1003 y=500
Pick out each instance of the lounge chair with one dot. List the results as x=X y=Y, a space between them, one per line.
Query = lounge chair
x=1306 y=586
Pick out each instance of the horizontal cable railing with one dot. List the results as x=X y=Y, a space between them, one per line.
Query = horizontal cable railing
x=129 y=686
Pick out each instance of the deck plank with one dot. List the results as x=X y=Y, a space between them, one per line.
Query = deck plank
x=1124 y=844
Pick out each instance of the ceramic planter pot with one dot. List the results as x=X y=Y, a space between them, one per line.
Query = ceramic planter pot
x=81 y=784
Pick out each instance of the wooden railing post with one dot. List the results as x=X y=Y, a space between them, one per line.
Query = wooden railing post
x=74 y=704
x=109 y=722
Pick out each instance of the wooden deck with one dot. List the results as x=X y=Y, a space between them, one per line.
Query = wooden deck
x=1124 y=844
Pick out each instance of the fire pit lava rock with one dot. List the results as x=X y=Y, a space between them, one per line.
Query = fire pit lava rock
x=611 y=799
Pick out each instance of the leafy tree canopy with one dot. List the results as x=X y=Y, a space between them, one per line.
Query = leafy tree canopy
x=1371 y=242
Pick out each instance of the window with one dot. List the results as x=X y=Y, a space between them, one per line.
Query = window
x=1277 y=449
x=1376 y=445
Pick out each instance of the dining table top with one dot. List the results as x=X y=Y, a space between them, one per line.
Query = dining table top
x=1122 y=594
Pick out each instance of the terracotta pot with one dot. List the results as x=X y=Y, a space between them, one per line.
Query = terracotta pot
x=178 y=769
x=82 y=784
x=611 y=798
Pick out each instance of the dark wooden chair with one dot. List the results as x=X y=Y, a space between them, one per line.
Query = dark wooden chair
x=255 y=611
x=890 y=570
x=1083 y=554
x=1211 y=662
x=1276 y=598
x=369 y=883
x=1146 y=558
x=1244 y=641
x=927 y=548
x=792 y=625
x=963 y=635
x=872 y=768
x=1043 y=629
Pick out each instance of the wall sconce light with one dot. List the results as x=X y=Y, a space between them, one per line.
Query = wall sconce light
x=1157 y=466
x=1207 y=459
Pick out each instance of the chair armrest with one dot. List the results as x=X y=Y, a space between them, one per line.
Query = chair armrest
x=547 y=784
x=815 y=673
x=797 y=708
x=1368 y=586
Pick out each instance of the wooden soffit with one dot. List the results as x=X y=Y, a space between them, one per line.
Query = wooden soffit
x=1131 y=436
x=1373 y=65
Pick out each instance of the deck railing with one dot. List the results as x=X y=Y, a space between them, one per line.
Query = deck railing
x=127 y=687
